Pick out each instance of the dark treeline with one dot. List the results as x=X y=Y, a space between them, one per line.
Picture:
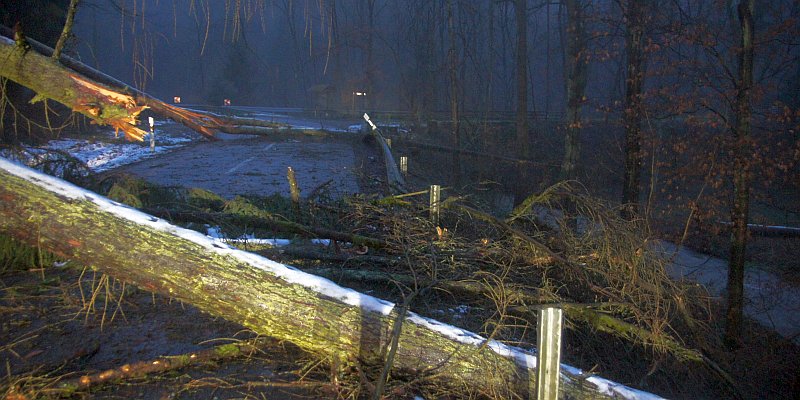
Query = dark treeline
x=292 y=52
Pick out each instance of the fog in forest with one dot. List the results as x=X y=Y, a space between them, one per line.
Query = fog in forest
x=277 y=53
x=634 y=163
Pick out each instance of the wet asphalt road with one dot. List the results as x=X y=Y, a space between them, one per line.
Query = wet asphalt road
x=246 y=165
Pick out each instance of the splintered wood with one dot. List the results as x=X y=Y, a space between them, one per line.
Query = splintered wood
x=92 y=97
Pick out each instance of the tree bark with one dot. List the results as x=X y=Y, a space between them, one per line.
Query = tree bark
x=265 y=296
x=576 y=76
x=634 y=14
x=160 y=365
x=741 y=178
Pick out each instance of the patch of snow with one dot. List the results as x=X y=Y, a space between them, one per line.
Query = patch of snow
x=215 y=232
x=462 y=309
x=100 y=156
x=770 y=300
x=356 y=128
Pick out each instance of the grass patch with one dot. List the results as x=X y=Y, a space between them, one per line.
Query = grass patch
x=18 y=256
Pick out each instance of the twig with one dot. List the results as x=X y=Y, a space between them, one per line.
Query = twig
x=73 y=6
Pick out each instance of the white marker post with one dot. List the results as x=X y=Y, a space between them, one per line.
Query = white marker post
x=366 y=118
x=404 y=165
x=435 y=199
x=152 y=133
x=549 y=341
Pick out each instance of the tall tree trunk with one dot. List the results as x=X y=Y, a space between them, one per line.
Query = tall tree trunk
x=522 y=78
x=267 y=297
x=576 y=75
x=547 y=62
x=452 y=67
x=741 y=177
x=369 y=67
x=634 y=14
x=521 y=186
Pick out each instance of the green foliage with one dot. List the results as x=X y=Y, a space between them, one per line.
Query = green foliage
x=227 y=350
x=121 y=194
x=139 y=193
x=204 y=200
x=243 y=207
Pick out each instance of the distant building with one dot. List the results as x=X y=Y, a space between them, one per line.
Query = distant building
x=324 y=97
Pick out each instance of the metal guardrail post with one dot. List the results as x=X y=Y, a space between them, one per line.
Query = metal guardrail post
x=549 y=360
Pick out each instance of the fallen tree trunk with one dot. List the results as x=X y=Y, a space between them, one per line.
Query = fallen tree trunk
x=50 y=80
x=202 y=122
x=269 y=223
x=394 y=178
x=269 y=298
x=34 y=69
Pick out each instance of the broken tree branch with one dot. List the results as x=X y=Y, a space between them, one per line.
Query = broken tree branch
x=50 y=80
x=62 y=40
x=269 y=223
x=27 y=65
x=162 y=364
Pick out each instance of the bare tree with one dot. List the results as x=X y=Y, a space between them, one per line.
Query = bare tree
x=522 y=77
x=635 y=17
x=576 y=69
x=452 y=68
x=741 y=175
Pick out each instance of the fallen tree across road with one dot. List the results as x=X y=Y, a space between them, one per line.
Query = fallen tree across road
x=348 y=327
x=104 y=99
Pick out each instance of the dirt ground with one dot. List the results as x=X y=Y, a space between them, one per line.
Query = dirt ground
x=52 y=332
